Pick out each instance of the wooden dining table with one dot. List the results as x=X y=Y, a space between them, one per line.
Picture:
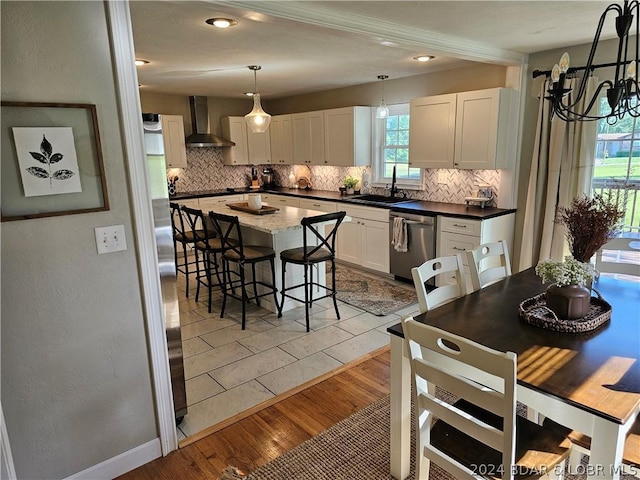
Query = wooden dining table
x=589 y=381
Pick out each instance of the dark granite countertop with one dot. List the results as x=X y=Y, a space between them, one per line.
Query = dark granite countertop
x=418 y=207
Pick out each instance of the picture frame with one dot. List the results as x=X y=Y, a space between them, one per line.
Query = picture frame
x=51 y=161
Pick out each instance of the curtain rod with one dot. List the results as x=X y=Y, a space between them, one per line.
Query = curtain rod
x=537 y=73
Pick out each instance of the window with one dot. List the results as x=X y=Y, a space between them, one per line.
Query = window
x=392 y=141
x=617 y=165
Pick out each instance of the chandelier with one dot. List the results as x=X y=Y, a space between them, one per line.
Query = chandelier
x=621 y=92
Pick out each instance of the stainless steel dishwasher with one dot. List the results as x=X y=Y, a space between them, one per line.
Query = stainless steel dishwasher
x=421 y=243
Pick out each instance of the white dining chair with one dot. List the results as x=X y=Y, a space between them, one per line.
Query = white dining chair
x=488 y=263
x=450 y=266
x=619 y=255
x=479 y=435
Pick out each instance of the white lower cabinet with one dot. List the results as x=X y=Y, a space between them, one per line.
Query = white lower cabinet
x=364 y=240
x=457 y=235
x=206 y=204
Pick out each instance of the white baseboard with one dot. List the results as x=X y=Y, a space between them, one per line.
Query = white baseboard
x=123 y=463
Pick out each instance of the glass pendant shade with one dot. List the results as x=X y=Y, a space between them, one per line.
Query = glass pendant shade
x=257 y=119
x=383 y=110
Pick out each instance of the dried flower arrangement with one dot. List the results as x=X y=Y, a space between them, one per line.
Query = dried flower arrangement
x=590 y=223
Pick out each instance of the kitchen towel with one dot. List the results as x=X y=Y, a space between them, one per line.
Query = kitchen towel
x=399 y=239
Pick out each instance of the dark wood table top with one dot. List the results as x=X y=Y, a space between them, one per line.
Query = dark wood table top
x=597 y=371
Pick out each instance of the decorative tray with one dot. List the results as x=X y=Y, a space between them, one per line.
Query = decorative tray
x=535 y=311
x=244 y=207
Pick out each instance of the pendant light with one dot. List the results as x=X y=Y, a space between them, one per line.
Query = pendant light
x=382 y=111
x=258 y=120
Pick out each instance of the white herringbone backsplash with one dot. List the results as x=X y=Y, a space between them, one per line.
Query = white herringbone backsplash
x=207 y=172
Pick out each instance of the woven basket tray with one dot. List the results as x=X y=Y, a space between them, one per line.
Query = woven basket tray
x=535 y=311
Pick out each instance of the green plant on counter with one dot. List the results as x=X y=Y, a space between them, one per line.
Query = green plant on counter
x=568 y=272
x=350 y=182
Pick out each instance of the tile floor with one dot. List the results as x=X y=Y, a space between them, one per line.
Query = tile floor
x=229 y=370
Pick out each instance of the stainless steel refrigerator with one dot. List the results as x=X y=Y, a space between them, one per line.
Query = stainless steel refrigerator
x=158 y=188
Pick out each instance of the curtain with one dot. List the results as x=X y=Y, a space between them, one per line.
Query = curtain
x=561 y=169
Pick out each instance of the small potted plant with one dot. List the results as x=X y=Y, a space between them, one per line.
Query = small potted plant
x=350 y=183
x=568 y=297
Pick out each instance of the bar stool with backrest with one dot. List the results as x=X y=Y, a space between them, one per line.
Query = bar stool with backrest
x=207 y=248
x=318 y=246
x=185 y=239
x=488 y=263
x=234 y=251
x=477 y=433
x=450 y=265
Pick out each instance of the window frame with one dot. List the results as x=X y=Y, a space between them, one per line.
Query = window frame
x=379 y=136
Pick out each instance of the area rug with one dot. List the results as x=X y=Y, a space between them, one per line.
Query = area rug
x=357 y=448
x=372 y=295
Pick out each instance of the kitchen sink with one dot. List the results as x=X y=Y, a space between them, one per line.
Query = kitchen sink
x=377 y=199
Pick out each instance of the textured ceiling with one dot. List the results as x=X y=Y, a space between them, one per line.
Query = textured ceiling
x=306 y=46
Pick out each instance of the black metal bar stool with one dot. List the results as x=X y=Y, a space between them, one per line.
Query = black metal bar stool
x=207 y=248
x=184 y=238
x=235 y=252
x=318 y=246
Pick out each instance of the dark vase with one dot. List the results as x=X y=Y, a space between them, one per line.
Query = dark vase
x=569 y=302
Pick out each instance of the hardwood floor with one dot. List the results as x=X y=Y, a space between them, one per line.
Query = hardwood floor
x=276 y=429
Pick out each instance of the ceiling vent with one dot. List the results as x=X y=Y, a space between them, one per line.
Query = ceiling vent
x=200 y=125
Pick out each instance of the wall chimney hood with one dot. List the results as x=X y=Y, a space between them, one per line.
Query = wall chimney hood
x=200 y=126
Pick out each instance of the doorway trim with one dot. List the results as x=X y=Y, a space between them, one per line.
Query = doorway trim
x=126 y=77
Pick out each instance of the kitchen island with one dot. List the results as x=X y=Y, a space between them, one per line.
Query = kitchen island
x=280 y=230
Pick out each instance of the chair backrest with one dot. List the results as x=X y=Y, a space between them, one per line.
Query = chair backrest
x=200 y=229
x=431 y=268
x=452 y=363
x=325 y=236
x=228 y=229
x=488 y=263
x=619 y=255
x=177 y=222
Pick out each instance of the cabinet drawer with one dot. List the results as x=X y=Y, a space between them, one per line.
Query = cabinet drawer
x=368 y=213
x=211 y=203
x=320 y=205
x=281 y=200
x=454 y=243
x=460 y=225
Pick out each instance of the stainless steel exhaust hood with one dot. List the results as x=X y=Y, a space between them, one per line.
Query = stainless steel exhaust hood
x=200 y=125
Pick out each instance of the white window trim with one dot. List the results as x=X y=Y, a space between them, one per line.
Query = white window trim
x=377 y=140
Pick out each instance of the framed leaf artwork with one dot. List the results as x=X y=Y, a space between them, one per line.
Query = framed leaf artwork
x=51 y=160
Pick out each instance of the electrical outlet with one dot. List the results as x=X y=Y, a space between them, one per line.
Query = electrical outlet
x=442 y=177
x=110 y=239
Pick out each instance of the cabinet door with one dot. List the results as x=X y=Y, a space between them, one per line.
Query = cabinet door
x=350 y=241
x=235 y=129
x=375 y=245
x=339 y=136
x=175 y=151
x=281 y=133
x=432 y=131
x=308 y=138
x=258 y=147
x=477 y=129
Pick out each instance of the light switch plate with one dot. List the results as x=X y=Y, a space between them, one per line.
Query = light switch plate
x=110 y=239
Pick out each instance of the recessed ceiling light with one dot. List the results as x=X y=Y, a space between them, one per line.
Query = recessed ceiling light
x=222 y=22
x=424 y=58
x=141 y=62
x=249 y=94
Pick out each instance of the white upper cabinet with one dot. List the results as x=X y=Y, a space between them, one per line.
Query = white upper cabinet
x=175 y=152
x=250 y=148
x=308 y=138
x=281 y=133
x=468 y=130
x=347 y=134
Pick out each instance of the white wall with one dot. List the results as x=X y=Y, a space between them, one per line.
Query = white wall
x=76 y=381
